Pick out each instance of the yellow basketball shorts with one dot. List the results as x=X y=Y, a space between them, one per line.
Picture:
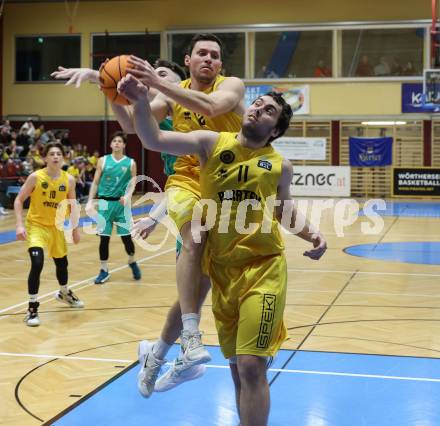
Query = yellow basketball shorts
x=46 y=237
x=248 y=304
x=180 y=205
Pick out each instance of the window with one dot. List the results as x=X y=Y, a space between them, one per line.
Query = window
x=37 y=57
x=382 y=52
x=145 y=46
x=233 y=51
x=290 y=54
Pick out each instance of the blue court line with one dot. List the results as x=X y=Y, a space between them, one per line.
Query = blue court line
x=371 y=390
x=9 y=236
x=427 y=253
x=408 y=209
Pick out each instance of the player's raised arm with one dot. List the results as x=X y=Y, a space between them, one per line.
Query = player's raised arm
x=198 y=142
x=228 y=96
x=288 y=215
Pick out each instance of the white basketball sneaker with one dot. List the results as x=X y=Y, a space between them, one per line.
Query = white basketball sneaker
x=32 y=319
x=193 y=351
x=177 y=374
x=150 y=368
x=69 y=298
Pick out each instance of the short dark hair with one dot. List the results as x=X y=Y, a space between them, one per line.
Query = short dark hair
x=50 y=145
x=172 y=66
x=285 y=116
x=204 y=37
x=121 y=135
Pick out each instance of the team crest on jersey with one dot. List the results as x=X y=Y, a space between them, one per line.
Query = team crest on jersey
x=62 y=188
x=45 y=185
x=227 y=157
x=264 y=164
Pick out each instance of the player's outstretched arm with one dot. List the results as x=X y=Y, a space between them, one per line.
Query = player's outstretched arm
x=75 y=209
x=25 y=192
x=288 y=215
x=228 y=96
x=76 y=76
x=199 y=142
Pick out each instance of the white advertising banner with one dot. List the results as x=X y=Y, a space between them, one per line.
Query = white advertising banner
x=321 y=181
x=297 y=97
x=301 y=148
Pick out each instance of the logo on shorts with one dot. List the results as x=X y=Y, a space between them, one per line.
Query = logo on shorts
x=45 y=185
x=62 y=188
x=227 y=157
x=187 y=115
x=222 y=173
x=266 y=324
x=264 y=164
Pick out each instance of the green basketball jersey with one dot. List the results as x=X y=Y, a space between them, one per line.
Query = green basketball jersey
x=115 y=176
x=168 y=159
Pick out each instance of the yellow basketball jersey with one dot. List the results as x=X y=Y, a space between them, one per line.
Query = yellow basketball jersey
x=46 y=196
x=187 y=168
x=243 y=182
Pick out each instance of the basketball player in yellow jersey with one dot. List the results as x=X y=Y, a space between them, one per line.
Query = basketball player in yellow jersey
x=246 y=264
x=47 y=187
x=206 y=101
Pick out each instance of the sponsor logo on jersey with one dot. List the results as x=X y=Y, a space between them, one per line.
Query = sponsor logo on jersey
x=222 y=173
x=238 y=195
x=227 y=157
x=264 y=164
x=50 y=204
x=124 y=169
x=62 y=188
x=45 y=185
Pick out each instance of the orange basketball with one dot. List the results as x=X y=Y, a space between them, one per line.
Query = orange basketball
x=109 y=76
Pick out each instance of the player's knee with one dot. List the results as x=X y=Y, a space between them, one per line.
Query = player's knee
x=192 y=248
x=251 y=369
x=37 y=258
x=128 y=244
x=61 y=262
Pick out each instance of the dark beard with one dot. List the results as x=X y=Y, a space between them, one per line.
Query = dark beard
x=249 y=132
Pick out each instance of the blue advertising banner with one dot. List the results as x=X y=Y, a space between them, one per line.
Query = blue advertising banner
x=370 y=152
x=412 y=99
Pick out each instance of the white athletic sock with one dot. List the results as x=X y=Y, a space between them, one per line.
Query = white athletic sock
x=160 y=349
x=64 y=289
x=191 y=322
x=104 y=265
x=130 y=259
x=33 y=298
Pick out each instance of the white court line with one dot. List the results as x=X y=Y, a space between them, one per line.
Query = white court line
x=274 y=370
x=333 y=373
x=375 y=293
x=77 y=358
x=83 y=281
x=335 y=271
